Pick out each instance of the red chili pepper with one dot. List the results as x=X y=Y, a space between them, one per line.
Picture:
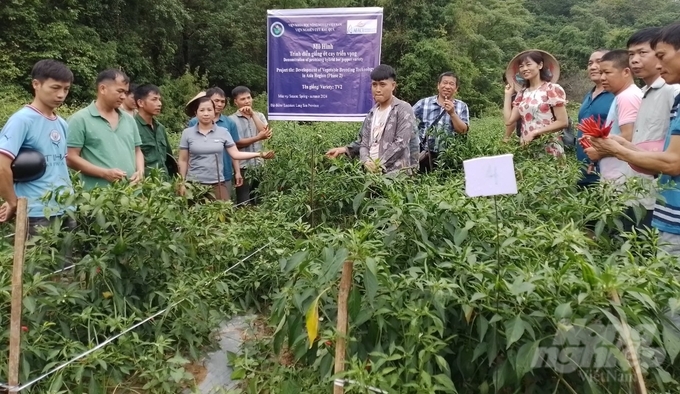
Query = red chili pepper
x=589 y=127
x=24 y=328
x=592 y=128
x=585 y=143
x=329 y=343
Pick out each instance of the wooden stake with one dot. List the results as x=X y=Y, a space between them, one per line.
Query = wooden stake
x=341 y=340
x=640 y=387
x=20 y=232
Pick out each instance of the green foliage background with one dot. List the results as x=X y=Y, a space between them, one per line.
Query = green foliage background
x=225 y=40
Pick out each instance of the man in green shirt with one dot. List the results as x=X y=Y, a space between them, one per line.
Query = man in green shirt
x=103 y=141
x=155 y=144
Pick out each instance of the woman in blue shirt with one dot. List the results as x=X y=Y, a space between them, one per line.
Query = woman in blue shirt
x=596 y=103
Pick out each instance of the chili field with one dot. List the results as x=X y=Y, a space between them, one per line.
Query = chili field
x=450 y=294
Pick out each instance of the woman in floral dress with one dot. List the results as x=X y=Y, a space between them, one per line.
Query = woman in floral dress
x=540 y=103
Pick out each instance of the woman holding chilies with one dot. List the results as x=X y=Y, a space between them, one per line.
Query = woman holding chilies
x=540 y=104
x=201 y=148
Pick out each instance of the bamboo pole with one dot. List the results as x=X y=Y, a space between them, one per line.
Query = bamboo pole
x=341 y=341
x=640 y=387
x=20 y=233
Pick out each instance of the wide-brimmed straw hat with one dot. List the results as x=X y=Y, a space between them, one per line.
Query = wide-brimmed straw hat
x=549 y=61
x=190 y=108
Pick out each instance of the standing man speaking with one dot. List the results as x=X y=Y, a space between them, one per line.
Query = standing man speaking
x=442 y=112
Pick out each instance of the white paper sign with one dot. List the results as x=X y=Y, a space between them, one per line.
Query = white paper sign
x=490 y=176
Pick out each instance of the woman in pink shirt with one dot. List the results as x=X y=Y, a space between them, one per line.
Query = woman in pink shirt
x=540 y=104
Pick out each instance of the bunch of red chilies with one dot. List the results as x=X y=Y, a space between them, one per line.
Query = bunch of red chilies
x=591 y=128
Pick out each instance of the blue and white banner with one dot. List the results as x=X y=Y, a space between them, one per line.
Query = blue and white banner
x=319 y=62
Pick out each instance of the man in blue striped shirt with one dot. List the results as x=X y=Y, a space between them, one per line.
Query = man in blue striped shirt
x=443 y=114
x=667 y=163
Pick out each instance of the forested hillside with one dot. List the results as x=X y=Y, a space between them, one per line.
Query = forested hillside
x=155 y=40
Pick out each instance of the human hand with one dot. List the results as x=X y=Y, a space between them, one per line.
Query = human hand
x=247 y=111
x=593 y=154
x=605 y=146
x=7 y=211
x=509 y=89
x=335 y=152
x=371 y=166
x=136 y=177
x=527 y=138
x=113 y=174
x=265 y=134
x=449 y=107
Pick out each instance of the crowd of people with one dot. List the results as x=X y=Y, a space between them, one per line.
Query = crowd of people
x=397 y=137
x=644 y=140
x=642 y=122
x=119 y=137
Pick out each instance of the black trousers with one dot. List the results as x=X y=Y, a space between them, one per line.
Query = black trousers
x=629 y=221
x=429 y=163
x=630 y=224
x=246 y=194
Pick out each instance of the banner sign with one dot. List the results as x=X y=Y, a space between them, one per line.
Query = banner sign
x=319 y=62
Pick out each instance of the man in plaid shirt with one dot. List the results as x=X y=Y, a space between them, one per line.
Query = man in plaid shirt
x=440 y=114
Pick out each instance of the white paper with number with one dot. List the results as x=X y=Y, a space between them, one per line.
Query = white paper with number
x=490 y=176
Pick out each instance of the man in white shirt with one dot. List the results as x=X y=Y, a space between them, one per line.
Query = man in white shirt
x=652 y=123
